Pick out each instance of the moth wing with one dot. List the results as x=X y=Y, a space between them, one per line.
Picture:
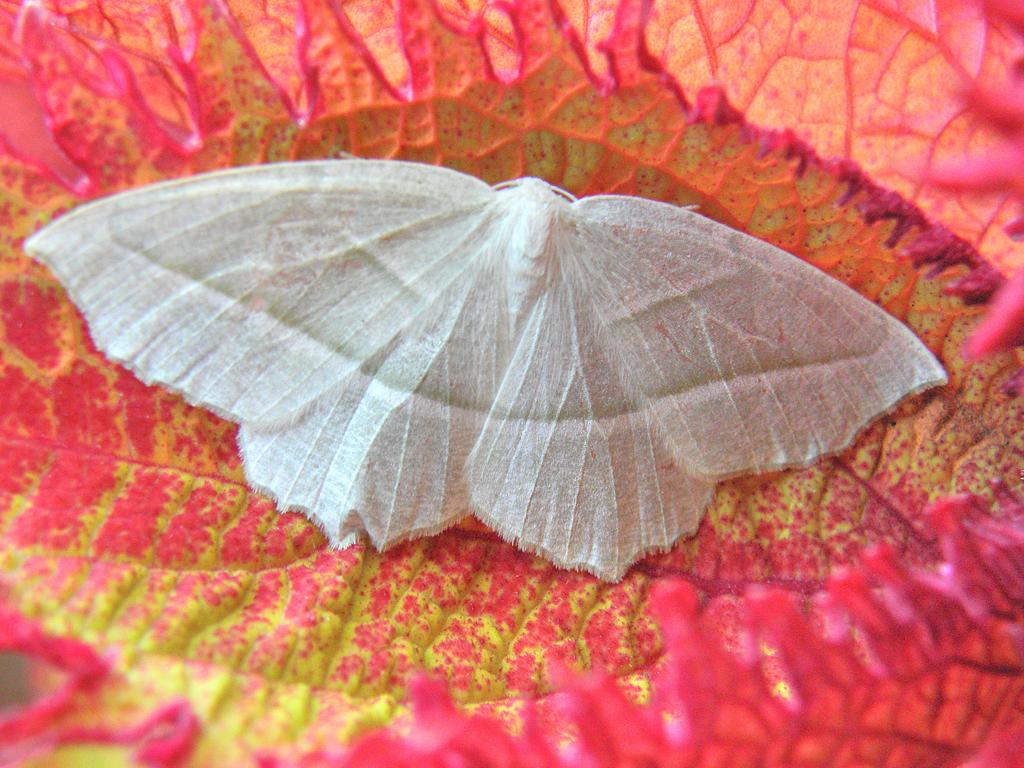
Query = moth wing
x=383 y=451
x=672 y=351
x=747 y=358
x=253 y=291
x=566 y=464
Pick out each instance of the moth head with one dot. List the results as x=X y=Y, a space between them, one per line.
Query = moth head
x=532 y=211
x=533 y=188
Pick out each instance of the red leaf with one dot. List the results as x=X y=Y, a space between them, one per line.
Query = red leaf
x=125 y=521
x=854 y=673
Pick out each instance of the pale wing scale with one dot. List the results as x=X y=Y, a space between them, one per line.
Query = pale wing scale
x=749 y=358
x=567 y=463
x=388 y=459
x=253 y=291
x=673 y=351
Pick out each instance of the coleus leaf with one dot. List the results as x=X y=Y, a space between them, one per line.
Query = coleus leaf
x=126 y=523
x=876 y=82
x=837 y=692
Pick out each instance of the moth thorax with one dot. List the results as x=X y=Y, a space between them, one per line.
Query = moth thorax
x=533 y=223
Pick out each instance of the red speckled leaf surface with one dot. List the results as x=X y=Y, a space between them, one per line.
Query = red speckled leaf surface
x=125 y=521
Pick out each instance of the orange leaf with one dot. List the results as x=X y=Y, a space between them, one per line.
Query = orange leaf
x=876 y=82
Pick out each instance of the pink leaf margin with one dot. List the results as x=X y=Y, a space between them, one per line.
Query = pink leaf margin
x=163 y=739
x=1002 y=110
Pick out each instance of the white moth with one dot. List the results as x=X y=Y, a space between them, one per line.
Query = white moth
x=402 y=343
